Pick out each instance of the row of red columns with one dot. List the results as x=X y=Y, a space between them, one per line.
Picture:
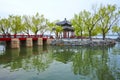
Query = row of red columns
x=67 y=35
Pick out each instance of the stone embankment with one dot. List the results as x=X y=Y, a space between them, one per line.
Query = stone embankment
x=85 y=42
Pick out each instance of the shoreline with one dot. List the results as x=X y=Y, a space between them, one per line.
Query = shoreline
x=84 y=42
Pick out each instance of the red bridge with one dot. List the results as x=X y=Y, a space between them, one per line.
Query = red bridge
x=22 y=37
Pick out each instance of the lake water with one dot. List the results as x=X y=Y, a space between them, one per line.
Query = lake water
x=60 y=63
x=107 y=36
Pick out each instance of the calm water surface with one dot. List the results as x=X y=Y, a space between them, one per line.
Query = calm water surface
x=60 y=63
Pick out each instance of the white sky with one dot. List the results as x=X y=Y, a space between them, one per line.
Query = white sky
x=52 y=9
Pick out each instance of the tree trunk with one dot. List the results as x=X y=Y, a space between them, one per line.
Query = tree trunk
x=103 y=36
x=36 y=32
x=28 y=32
x=3 y=31
x=56 y=34
x=90 y=35
x=81 y=36
x=15 y=35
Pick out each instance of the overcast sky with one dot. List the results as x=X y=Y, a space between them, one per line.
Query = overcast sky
x=52 y=9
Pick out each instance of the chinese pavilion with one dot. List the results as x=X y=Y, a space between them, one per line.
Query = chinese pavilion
x=68 y=30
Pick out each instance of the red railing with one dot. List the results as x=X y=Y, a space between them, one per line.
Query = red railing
x=22 y=37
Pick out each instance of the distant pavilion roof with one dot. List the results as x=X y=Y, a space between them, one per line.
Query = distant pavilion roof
x=66 y=25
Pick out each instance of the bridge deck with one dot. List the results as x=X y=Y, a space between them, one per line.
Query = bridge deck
x=21 y=37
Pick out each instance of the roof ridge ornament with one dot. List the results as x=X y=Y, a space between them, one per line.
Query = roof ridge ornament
x=65 y=19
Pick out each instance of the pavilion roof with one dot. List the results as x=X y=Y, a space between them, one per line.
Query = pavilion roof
x=66 y=28
x=64 y=23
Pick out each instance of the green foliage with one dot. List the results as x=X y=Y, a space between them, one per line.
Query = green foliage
x=78 y=24
x=116 y=29
x=52 y=27
x=39 y=23
x=27 y=24
x=91 y=21
x=109 y=18
x=85 y=23
x=4 y=26
x=16 y=25
x=59 y=29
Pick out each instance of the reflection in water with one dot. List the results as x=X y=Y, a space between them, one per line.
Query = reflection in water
x=87 y=63
x=92 y=62
x=26 y=59
x=114 y=61
x=63 y=54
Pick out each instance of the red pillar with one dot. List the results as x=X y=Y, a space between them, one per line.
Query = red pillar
x=68 y=34
x=64 y=34
x=72 y=34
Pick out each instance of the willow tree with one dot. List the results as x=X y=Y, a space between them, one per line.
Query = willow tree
x=58 y=30
x=55 y=28
x=52 y=27
x=27 y=24
x=109 y=17
x=4 y=26
x=44 y=26
x=78 y=24
x=16 y=24
x=39 y=23
x=116 y=29
x=90 y=21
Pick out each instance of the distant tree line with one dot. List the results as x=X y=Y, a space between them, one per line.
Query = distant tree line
x=100 y=21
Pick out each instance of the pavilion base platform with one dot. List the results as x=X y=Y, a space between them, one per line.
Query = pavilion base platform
x=79 y=42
